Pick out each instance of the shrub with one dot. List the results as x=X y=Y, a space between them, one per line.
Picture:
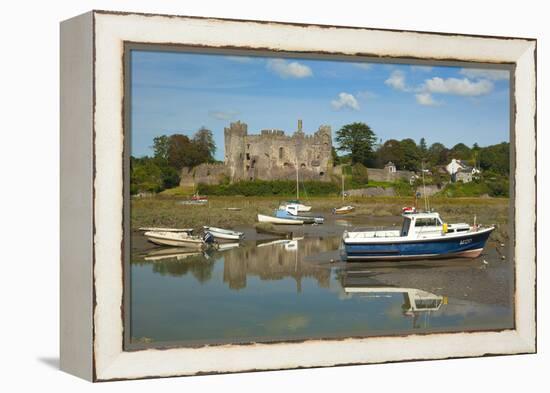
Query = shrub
x=267 y=188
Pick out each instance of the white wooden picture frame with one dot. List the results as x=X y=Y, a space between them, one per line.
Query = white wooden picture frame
x=92 y=192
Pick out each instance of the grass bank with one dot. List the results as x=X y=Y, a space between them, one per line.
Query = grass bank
x=165 y=210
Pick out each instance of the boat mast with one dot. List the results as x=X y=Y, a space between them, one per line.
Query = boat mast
x=424 y=189
x=297 y=185
x=342 y=186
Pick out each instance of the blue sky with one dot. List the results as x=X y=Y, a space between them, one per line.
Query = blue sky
x=176 y=92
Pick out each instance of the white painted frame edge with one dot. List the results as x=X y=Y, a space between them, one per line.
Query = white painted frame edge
x=112 y=30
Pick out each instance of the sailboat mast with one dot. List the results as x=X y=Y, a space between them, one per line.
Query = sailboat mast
x=342 y=184
x=297 y=185
x=424 y=189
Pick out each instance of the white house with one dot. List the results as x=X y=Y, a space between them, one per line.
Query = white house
x=459 y=171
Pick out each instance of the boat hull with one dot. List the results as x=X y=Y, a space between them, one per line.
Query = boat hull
x=276 y=220
x=224 y=234
x=343 y=210
x=468 y=245
x=170 y=239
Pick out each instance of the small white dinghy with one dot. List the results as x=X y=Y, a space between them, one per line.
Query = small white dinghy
x=344 y=210
x=224 y=234
x=175 y=239
x=277 y=220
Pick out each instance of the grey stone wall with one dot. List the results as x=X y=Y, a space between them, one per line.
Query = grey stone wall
x=211 y=174
x=377 y=174
x=273 y=155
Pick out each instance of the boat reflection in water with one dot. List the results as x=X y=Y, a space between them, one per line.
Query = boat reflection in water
x=417 y=303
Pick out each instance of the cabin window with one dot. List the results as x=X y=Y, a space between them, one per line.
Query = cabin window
x=303 y=165
x=281 y=151
x=427 y=303
x=248 y=156
x=406 y=226
x=426 y=222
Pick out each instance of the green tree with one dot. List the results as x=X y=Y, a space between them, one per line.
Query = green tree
x=390 y=151
x=145 y=175
x=495 y=158
x=204 y=141
x=335 y=157
x=160 y=147
x=360 y=174
x=359 y=140
x=461 y=152
x=182 y=152
x=438 y=154
x=411 y=155
x=423 y=149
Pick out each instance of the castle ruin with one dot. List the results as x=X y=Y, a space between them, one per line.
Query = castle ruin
x=272 y=155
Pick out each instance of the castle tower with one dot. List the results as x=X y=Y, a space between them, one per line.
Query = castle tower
x=234 y=141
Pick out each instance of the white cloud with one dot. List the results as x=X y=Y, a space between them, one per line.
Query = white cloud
x=223 y=115
x=286 y=69
x=476 y=73
x=364 y=66
x=345 y=100
x=397 y=81
x=462 y=87
x=366 y=95
x=426 y=99
x=422 y=68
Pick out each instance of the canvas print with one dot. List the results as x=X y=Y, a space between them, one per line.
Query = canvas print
x=280 y=199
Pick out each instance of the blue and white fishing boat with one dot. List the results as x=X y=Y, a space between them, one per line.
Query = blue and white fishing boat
x=291 y=212
x=422 y=236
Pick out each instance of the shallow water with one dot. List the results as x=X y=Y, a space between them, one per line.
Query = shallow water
x=293 y=290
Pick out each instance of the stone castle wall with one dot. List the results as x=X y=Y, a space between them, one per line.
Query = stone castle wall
x=210 y=174
x=272 y=155
x=376 y=174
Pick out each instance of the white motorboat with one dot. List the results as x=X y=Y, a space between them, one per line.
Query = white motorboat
x=157 y=229
x=344 y=210
x=224 y=234
x=277 y=220
x=175 y=239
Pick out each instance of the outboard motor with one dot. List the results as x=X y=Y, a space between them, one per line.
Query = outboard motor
x=208 y=238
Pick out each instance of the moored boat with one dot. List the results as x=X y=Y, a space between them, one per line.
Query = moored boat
x=343 y=210
x=224 y=234
x=347 y=209
x=422 y=236
x=299 y=205
x=158 y=229
x=291 y=212
x=277 y=220
x=177 y=239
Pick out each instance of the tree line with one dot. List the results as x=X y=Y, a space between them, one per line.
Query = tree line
x=361 y=146
x=170 y=154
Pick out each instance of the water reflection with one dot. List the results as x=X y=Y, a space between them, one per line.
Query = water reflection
x=417 y=304
x=277 y=260
x=289 y=289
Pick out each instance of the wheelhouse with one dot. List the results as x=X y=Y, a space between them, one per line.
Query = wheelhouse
x=417 y=224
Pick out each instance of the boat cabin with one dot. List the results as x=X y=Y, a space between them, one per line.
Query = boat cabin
x=419 y=225
x=415 y=226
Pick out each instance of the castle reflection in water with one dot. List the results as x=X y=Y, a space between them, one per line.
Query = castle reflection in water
x=274 y=260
